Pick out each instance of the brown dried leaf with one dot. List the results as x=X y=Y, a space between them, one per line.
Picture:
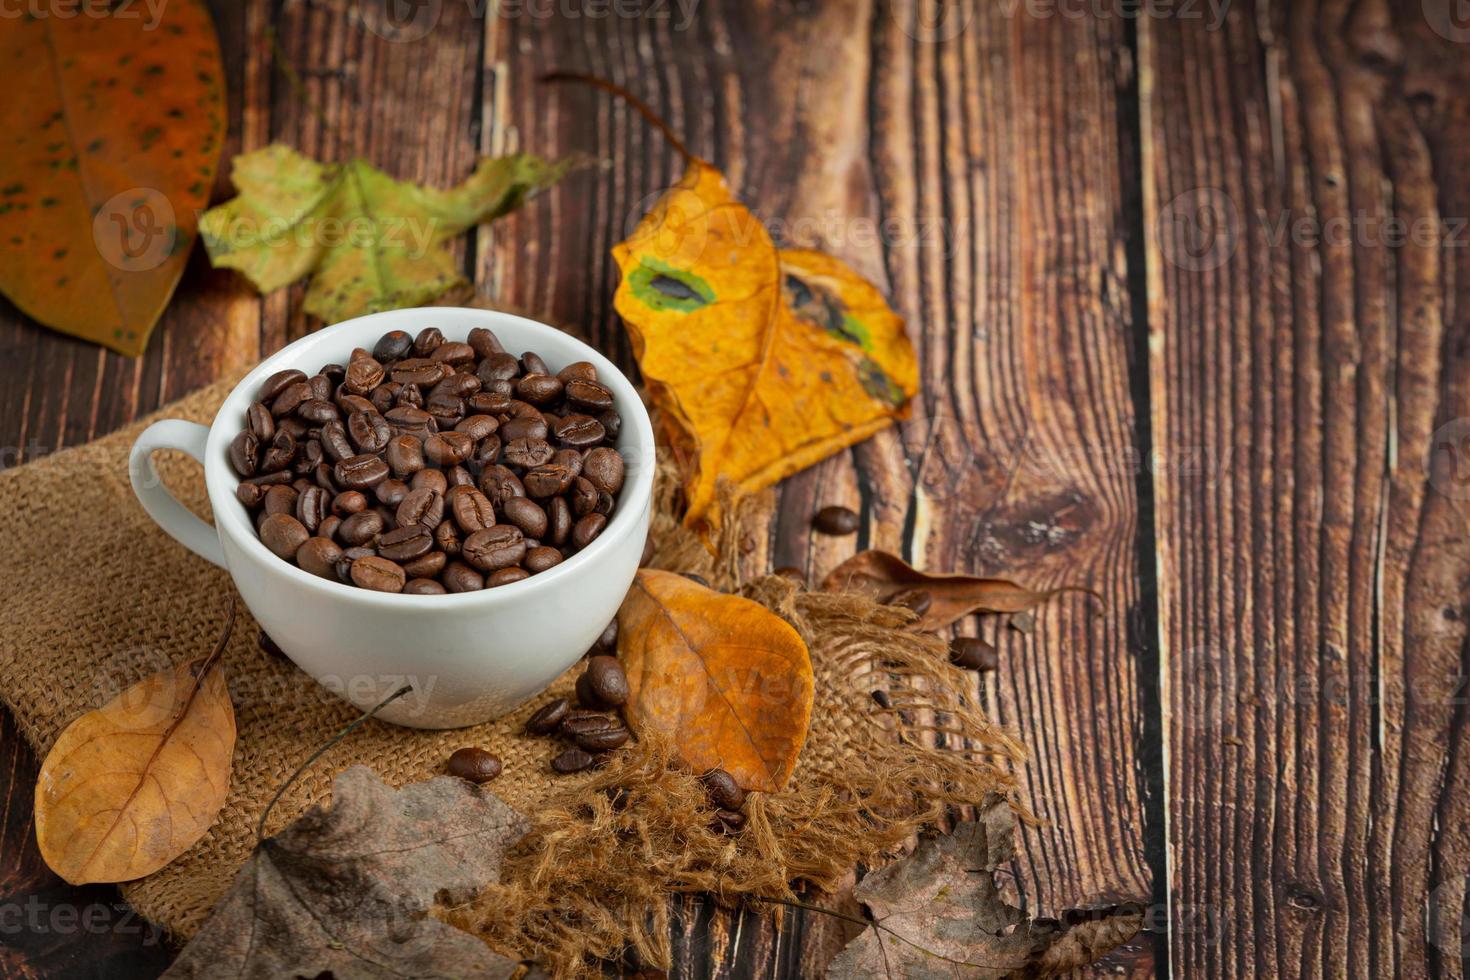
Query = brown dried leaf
x=728 y=681
x=131 y=786
x=883 y=576
x=346 y=891
x=939 y=914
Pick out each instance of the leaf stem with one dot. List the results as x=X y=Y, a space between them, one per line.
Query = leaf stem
x=641 y=107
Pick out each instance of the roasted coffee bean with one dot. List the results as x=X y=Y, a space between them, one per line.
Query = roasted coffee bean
x=393 y=345
x=334 y=372
x=312 y=507
x=586 y=530
x=919 y=600
x=278 y=383
x=447 y=538
x=603 y=741
x=408 y=396
x=404 y=544
x=378 y=574
x=459 y=577
x=317 y=412
x=539 y=389
x=495 y=547
x=607 y=640
x=606 y=680
x=420 y=508
x=531 y=363
x=446 y=409
x=448 y=448
x=259 y=422
x=322 y=477
x=360 y=472
x=281 y=500
x=583 y=498
x=319 y=556
x=250 y=494
x=572 y=760
x=283 y=534
x=453 y=352
x=583 y=720
x=500 y=484
x=728 y=821
x=580 y=431
x=429 y=479
x=360 y=528
x=559 y=521
x=427 y=341
x=589 y=395
x=973 y=653
x=578 y=370
x=370 y=431
x=348 y=502
x=281 y=451
x=547 y=717
x=586 y=697
x=335 y=441
x=538 y=560
x=364 y=373
x=547 y=480
x=419 y=371
x=423 y=586
x=458 y=476
x=477 y=427
x=524 y=428
x=404 y=455
x=384 y=397
x=722 y=790
x=245 y=453
x=476 y=765
x=329 y=525
x=498 y=367
x=472 y=511
x=525 y=514
x=612 y=424
x=390 y=493
x=320 y=387
x=603 y=468
x=505 y=576
x=484 y=342
x=836 y=520
x=460 y=385
x=289 y=399
x=267 y=480
x=426 y=566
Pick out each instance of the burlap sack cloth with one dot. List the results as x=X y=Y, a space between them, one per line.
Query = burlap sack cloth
x=97 y=597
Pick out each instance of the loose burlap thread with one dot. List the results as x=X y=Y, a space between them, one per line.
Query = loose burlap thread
x=99 y=598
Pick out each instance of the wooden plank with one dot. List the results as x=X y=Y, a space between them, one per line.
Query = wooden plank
x=980 y=173
x=1313 y=575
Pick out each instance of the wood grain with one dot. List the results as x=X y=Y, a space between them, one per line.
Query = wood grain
x=1313 y=574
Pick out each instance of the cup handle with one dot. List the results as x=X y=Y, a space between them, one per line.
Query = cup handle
x=180 y=522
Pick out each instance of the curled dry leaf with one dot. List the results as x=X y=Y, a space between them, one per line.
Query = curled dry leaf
x=131 y=786
x=939 y=914
x=346 y=891
x=113 y=126
x=728 y=681
x=761 y=361
x=882 y=575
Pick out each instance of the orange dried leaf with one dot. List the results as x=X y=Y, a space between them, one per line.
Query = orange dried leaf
x=112 y=128
x=883 y=576
x=728 y=681
x=131 y=786
x=761 y=361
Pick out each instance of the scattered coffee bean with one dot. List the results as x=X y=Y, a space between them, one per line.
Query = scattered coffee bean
x=722 y=790
x=728 y=821
x=836 y=520
x=476 y=765
x=604 y=740
x=572 y=760
x=584 y=720
x=548 y=717
x=919 y=600
x=973 y=653
x=606 y=680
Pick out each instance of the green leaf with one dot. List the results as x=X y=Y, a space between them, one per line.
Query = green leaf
x=367 y=241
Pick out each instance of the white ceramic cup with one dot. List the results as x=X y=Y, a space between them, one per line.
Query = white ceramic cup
x=469 y=657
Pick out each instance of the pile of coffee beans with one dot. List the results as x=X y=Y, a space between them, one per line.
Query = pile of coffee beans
x=593 y=727
x=428 y=465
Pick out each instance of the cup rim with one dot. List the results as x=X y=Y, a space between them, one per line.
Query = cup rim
x=230 y=517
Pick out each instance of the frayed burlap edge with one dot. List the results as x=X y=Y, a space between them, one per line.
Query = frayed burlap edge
x=592 y=879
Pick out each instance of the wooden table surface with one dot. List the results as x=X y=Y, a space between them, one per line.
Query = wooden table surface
x=1191 y=292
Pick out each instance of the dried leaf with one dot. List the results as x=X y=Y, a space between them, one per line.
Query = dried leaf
x=112 y=132
x=761 y=362
x=939 y=914
x=883 y=576
x=727 y=680
x=346 y=891
x=367 y=241
x=131 y=786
